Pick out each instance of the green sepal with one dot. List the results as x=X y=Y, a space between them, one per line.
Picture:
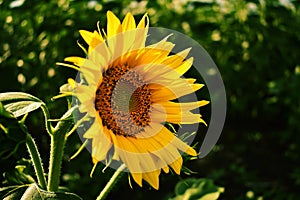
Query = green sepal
x=19 y=175
x=4 y=113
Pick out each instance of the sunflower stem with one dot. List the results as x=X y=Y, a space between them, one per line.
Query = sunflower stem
x=48 y=124
x=111 y=183
x=58 y=140
x=36 y=160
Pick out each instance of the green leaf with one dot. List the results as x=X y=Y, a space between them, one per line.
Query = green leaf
x=19 y=103
x=12 y=192
x=35 y=193
x=201 y=189
x=22 y=107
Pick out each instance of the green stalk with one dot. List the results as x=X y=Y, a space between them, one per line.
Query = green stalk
x=58 y=140
x=111 y=183
x=46 y=113
x=37 y=162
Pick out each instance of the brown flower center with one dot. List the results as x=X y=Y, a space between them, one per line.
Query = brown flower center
x=123 y=101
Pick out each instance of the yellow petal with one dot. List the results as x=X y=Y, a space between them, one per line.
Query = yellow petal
x=72 y=83
x=173 y=108
x=96 y=40
x=128 y=38
x=99 y=59
x=124 y=149
x=114 y=40
x=163 y=45
x=185 y=118
x=144 y=22
x=137 y=177
x=182 y=146
x=191 y=151
x=171 y=144
x=160 y=163
x=74 y=59
x=96 y=128
x=87 y=36
x=174 y=91
x=140 y=38
x=102 y=56
x=92 y=72
x=93 y=131
x=100 y=145
x=113 y=24
x=141 y=33
x=176 y=165
x=85 y=94
x=184 y=53
x=128 y=22
x=132 y=149
x=151 y=56
x=158 y=73
x=152 y=178
x=166 y=169
x=148 y=144
x=91 y=38
x=169 y=154
x=147 y=161
x=185 y=66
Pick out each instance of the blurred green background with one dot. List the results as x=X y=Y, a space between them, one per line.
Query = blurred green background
x=254 y=43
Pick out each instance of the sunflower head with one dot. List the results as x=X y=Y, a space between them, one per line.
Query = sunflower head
x=131 y=90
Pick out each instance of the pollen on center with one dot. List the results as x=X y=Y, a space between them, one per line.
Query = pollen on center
x=123 y=100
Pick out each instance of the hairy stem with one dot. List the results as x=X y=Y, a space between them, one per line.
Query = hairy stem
x=48 y=125
x=58 y=140
x=37 y=162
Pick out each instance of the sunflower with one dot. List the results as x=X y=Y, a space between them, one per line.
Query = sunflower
x=131 y=91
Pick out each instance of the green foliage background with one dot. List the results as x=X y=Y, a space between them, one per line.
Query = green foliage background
x=255 y=44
